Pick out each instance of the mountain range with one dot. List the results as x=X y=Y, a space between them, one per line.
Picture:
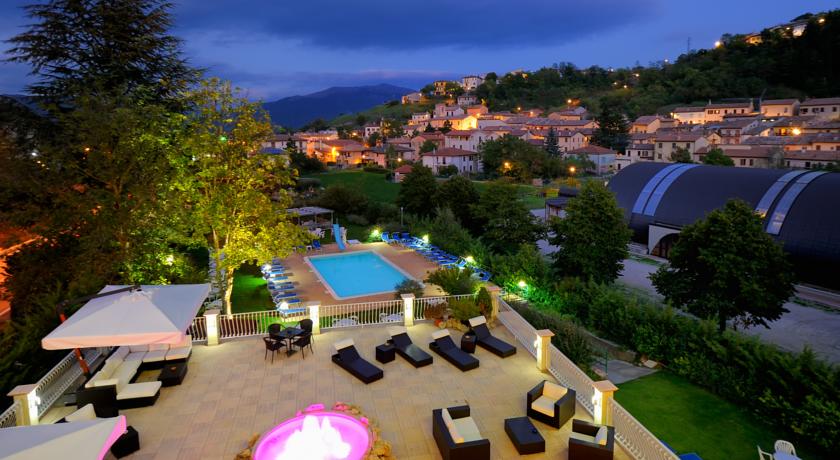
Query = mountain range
x=296 y=111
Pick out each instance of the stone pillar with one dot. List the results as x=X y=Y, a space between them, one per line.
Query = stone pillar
x=314 y=309
x=27 y=412
x=604 y=390
x=495 y=292
x=408 y=309
x=211 y=319
x=542 y=344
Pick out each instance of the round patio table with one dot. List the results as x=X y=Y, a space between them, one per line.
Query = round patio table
x=784 y=456
x=288 y=334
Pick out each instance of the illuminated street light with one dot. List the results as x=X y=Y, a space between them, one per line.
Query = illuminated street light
x=572 y=169
x=718 y=44
x=522 y=284
x=796 y=131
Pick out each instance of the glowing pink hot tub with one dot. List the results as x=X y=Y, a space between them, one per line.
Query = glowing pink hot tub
x=316 y=434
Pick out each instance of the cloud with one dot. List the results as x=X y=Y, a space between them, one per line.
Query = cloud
x=402 y=25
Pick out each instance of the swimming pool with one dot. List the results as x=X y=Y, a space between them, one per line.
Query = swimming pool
x=357 y=274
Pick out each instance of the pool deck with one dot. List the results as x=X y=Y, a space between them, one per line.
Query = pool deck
x=310 y=288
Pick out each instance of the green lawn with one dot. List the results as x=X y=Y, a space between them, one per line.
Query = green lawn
x=373 y=185
x=249 y=290
x=691 y=419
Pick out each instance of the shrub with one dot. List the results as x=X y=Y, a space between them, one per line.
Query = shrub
x=356 y=219
x=306 y=183
x=434 y=311
x=568 y=337
x=382 y=212
x=375 y=169
x=453 y=281
x=448 y=171
x=464 y=309
x=484 y=302
x=343 y=199
x=408 y=286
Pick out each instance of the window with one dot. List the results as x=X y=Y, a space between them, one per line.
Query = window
x=751 y=162
x=743 y=162
x=819 y=147
x=787 y=163
x=807 y=164
x=804 y=109
x=660 y=145
x=834 y=109
x=673 y=145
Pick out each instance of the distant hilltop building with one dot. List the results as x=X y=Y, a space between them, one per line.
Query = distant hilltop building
x=791 y=29
x=412 y=98
x=471 y=82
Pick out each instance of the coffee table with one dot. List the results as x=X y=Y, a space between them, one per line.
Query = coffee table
x=468 y=342
x=385 y=353
x=524 y=435
x=173 y=374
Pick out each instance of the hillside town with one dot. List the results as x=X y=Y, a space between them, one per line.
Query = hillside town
x=753 y=133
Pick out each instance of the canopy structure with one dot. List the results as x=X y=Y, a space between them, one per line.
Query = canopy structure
x=309 y=216
x=154 y=314
x=87 y=439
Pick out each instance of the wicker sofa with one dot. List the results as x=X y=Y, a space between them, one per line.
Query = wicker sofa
x=457 y=436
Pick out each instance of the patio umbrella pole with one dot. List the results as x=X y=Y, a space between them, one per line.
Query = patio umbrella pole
x=63 y=317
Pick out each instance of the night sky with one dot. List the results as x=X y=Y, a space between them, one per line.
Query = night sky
x=276 y=48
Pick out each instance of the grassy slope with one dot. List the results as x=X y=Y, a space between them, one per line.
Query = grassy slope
x=690 y=419
x=399 y=112
x=249 y=290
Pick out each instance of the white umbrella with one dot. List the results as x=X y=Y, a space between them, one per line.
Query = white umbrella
x=154 y=314
x=85 y=440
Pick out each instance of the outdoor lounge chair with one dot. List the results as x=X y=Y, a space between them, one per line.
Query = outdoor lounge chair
x=119 y=370
x=588 y=441
x=457 y=435
x=283 y=295
x=385 y=237
x=348 y=359
x=317 y=245
x=284 y=310
x=407 y=349
x=551 y=404
x=486 y=340
x=444 y=346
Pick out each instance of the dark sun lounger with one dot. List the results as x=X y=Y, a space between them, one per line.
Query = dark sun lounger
x=444 y=346
x=485 y=339
x=348 y=359
x=407 y=349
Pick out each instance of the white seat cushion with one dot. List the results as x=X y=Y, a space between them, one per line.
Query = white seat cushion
x=123 y=376
x=86 y=412
x=601 y=436
x=178 y=353
x=457 y=438
x=544 y=405
x=343 y=344
x=554 y=391
x=440 y=334
x=185 y=342
x=136 y=348
x=135 y=356
x=467 y=429
x=158 y=346
x=478 y=320
x=582 y=437
x=155 y=356
x=396 y=330
x=138 y=390
x=133 y=365
x=119 y=355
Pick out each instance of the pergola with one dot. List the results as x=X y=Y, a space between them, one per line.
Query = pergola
x=308 y=216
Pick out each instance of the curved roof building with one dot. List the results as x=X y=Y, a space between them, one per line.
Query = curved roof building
x=801 y=207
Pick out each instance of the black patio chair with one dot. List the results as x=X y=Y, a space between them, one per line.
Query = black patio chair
x=302 y=341
x=274 y=329
x=272 y=346
x=306 y=325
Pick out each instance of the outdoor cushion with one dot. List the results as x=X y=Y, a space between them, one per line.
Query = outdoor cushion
x=124 y=375
x=158 y=346
x=474 y=322
x=138 y=390
x=582 y=437
x=467 y=429
x=544 y=405
x=138 y=348
x=554 y=391
x=85 y=413
x=135 y=356
x=447 y=419
x=178 y=353
x=155 y=356
x=343 y=344
x=601 y=436
x=396 y=330
x=440 y=334
x=102 y=383
x=119 y=355
x=108 y=369
x=450 y=426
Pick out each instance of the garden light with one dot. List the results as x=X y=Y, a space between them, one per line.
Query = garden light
x=469 y=259
x=522 y=284
x=375 y=232
x=426 y=239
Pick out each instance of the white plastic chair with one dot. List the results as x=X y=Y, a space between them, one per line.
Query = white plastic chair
x=784 y=446
x=764 y=455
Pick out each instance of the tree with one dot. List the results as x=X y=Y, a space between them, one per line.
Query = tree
x=447 y=126
x=551 y=143
x=504 y=219
x=374 y=139
x=459 y=194
x=776 y=158
x=343 y=199
x=727 y=267
x=361 y=119
x=238 y=199
x=392 y=128
x=513 y=157
x=447 y=171
x=716 y=156
x=681 y=155
x=417 y=191
x=428 y=128
x=118 y=47
x=592 y=238
x=453 y=281
x=612 y=126
x=428 y=146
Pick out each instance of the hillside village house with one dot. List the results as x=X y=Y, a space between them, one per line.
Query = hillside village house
x=466 y=161
x=440 y=87
x=651 y=123
x=822 y=127
x=731 y=131
x=668 y=143
x=412 y=98
x=420 y=118
x=471 y=82
x=825 y=108
x=477 y=110
x=342 y=152
x=809 y=159
x=445 y=110
x=716 y=112
x=470 y=139
x=457 y=122
x=467 y=100
x=401 y=172
x=633 y=154
x=790 y=126
x=779 y=107
x=569 y=140
x=744 y=156
x=574 y=113
x=603 y=158
x=689 y=115
x=371 y=128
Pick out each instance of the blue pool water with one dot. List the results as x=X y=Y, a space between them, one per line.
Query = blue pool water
x=357 y=273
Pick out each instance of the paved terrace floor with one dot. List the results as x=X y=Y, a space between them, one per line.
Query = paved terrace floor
x=231 y=393
x=310 y=288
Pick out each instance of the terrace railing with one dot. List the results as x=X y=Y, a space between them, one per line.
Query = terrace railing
x=423 y=304
x=362 y=314
x=60 y=378
x=198 y=329
x=629 y=432
x=249 y=324
x=9 y=417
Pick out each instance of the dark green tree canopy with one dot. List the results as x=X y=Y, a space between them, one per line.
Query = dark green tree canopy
x=727 y=267
x=417 y=192
x=612 y=131
x=102 y=45
x=504 y=220
x=681 y=155
x=513 y=157
x=593 y=237
x=716 y=156
x=551 y=143
x=459 y=195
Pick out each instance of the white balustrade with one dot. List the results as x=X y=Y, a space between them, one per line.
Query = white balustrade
x=635 y=438
x=9 y=417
